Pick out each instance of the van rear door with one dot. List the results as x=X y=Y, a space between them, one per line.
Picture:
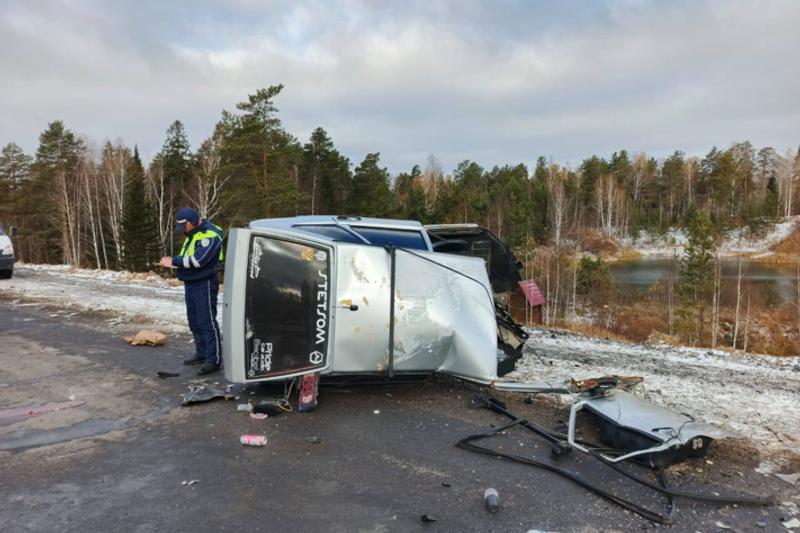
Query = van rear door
x=276 y=305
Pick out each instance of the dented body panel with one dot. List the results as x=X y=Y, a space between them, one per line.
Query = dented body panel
x=296 y=304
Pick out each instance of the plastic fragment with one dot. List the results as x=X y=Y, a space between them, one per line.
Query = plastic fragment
x=164 y=375
x=426 y=518
x=203 y=393
x=794 y=523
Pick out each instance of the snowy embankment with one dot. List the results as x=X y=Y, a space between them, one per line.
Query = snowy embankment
x=755 y=396
x=736 y=242
x=140 y=297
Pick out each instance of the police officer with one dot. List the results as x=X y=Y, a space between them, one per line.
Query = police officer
x=197 y=268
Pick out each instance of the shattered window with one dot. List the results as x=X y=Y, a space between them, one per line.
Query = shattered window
x=399 y=238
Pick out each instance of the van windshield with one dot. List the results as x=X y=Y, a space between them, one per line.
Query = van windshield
x=2 y=230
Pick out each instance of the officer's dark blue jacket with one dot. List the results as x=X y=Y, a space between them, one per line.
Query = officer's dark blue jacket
x=200 y=254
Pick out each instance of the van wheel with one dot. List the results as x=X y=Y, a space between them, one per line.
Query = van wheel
x=6 y=274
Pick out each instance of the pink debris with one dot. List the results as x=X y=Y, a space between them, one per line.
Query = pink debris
x=19 y=412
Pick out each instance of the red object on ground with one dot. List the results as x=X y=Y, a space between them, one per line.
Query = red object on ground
x=253 y=440
x=38 y=409
x=531 y=291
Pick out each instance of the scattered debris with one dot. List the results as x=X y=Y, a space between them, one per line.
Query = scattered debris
x=595 y=385
x=426 y=518
x=314 y=440
x=273 y=407
x=203 y=393
x=244 y=407
x=722 y=525
x=253 y=440
x=791 y=479
x=147 y=337
x=259 y=416
x=164 y=375
x=469 y=443
x=190 y=482
x=376 y=412
x=446 y=485
x=492 y=500
x=794 y=523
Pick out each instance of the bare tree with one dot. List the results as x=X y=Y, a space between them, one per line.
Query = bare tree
x=163 y=196
x=747 y=321
x=558 y=200
x=209 y=182
x=715 y=301
x=112 y=175
x=641 y=175
x=738 y=303
x=87 y=175
x=786 y=175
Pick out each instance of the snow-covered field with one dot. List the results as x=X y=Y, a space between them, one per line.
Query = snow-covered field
x=736 y=242
x=755 y=396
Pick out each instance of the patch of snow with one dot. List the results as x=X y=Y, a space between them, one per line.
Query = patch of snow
x=736 y=242
x=739 y=242
x=649 y=245
x=146 y=297
x=754 y=396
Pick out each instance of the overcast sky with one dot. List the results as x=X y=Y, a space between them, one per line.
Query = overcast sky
x=496 y=81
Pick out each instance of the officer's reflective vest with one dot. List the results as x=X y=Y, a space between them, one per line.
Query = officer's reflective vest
x=189 y=243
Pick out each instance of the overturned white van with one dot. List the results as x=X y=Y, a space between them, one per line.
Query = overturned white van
x=350 y=295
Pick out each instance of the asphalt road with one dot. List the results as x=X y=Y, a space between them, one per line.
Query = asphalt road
x=117 y=461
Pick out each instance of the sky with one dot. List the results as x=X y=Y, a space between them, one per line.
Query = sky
x=496 y=82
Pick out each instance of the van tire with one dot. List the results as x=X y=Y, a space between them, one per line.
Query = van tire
x=6 y=274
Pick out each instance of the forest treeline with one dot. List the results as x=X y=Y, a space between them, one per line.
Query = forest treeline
x=104 y=208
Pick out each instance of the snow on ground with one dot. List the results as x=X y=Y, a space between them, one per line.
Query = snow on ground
x=657 y=246
x=140 y=296
x=736 y=242
x=756 y=396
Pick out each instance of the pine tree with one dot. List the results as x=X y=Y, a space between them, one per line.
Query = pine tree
x=262 y=160
x=325 y=175
x=697 y=272
x=44 y=202
x=538 y=201
x=139 y=233
x=171 y=173
x=371 y=196
x=15 y=169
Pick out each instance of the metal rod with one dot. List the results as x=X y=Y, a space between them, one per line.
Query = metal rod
x=393 y=259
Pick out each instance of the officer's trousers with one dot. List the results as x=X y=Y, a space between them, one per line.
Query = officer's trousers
x=201 y=310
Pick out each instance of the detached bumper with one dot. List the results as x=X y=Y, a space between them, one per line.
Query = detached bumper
x=7 y=262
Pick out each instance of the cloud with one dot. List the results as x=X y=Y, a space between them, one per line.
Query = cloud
x=497 y=82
